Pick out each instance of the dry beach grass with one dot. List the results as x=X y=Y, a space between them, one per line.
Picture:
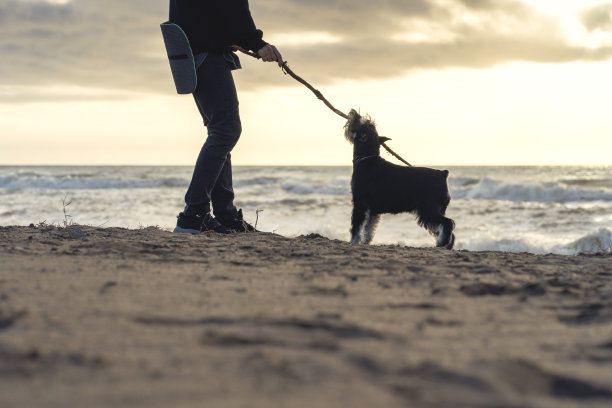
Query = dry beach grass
x=108 y=317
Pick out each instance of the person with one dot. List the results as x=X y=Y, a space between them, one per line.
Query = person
x=212 y=27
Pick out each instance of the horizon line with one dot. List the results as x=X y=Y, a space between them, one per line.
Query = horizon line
x=315 y=165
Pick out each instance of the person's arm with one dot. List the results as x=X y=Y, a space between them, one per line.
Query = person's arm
x=243 y=32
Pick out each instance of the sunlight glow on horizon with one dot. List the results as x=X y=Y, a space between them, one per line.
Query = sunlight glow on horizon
x=449 y=117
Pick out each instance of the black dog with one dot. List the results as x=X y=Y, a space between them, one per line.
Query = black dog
x=380 y=187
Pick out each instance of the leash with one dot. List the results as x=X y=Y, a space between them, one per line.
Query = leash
x=318 y=94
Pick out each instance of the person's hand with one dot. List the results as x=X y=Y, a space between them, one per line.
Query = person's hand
x=269 y=53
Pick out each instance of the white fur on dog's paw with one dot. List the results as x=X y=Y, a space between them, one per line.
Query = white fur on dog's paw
x=451 y=243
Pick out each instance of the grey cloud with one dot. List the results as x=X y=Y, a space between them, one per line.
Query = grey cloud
x=35 y=11
x=598 y=17
x=87 y=43
x=508 y=30
x=487 y=4
x=389 y=60
x=337 y=16
x=116 y=44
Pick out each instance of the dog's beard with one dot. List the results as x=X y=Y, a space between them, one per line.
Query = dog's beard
x=354 y=123
x=350 y=136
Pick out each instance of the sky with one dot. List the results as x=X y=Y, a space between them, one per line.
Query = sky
x=451 y=82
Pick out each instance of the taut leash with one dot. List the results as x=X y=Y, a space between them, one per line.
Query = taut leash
x=318 y=94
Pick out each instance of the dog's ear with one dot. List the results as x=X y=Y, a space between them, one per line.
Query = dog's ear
x=383 y=139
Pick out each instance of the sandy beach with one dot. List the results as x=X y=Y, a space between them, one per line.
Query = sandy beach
x=93 y=317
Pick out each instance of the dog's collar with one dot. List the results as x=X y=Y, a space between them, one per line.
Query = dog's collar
x=359 y=160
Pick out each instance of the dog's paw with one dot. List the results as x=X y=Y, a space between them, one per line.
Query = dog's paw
x=451 y=242
x=445 y=241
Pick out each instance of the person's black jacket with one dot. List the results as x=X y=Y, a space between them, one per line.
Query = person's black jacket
x=215 y=25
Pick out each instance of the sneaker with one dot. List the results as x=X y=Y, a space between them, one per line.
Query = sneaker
x=236 y=222
x=212 y=224
x=195 y=224
x=189 y=224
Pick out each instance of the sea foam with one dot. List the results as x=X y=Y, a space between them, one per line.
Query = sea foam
x=598 y=242
x=545 y=192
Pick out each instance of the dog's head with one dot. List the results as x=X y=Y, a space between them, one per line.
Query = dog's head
x=361 y=132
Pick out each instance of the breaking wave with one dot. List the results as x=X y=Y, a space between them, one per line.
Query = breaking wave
x=599 y=242
x=88 y=181
x=83 y=182
x=547 y=192
x=299 y=187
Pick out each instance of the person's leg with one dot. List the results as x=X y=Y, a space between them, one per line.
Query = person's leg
x=217 y=101
x=222 y=196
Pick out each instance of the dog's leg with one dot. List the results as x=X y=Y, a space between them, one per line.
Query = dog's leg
x=357 y=219
x=369 y=227
x=446 y=238
x=440 y=227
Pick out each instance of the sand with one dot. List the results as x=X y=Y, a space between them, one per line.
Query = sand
x=93 y=317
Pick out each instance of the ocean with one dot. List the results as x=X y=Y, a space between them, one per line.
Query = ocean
x=562 y=210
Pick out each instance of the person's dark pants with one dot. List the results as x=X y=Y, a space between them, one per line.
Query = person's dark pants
x=217 y=102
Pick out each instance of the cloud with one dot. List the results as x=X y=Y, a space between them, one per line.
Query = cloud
x=116 y=45
x=84 y=43
x=355 y=17
x=598 y=18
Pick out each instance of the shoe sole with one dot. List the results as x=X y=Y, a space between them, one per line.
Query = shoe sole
x=220 y=232
x=180 y=230
x=238 y=230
